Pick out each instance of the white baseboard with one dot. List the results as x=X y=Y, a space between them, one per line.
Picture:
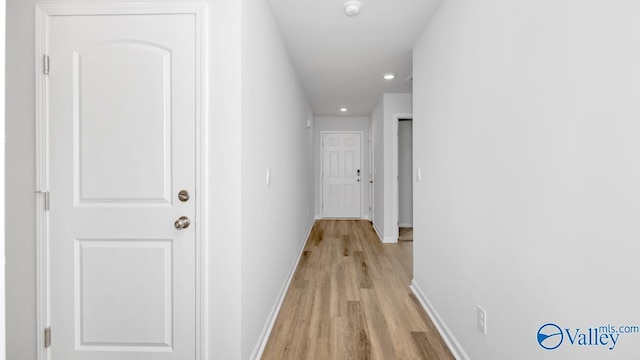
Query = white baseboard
x=384 y=239
x=271 y=320
x=390 y=239
x=454 y=345
x=375 y=228
x=365 y=217
x=405 y=225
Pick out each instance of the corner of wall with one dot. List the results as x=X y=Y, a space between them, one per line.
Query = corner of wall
x=447 y=335
x=273 y=315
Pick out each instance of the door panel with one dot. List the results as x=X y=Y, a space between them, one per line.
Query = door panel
x=342 y=175
x=138 y=304
x=140 y=75
x=122 y=122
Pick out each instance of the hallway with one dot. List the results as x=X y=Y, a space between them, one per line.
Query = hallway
x=350 y=299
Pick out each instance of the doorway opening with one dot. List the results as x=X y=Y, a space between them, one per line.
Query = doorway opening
x=404 y=179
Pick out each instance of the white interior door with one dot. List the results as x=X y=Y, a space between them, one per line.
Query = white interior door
x=341 y=175
x=122 y=117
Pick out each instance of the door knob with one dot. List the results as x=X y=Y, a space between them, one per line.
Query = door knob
x=183 y=222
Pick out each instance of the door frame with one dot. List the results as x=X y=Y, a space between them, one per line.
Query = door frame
x=394 y=166
x=371 y=174
x=3 y=6
x=43 y=12
x=322 y=133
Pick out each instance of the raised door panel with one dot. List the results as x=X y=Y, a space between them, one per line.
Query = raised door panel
x=129 y=282
x=122 y=95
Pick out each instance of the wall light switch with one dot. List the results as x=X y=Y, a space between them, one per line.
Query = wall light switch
x=268 y=176
x=419 y=174
x=308 y=123
x=482 y=320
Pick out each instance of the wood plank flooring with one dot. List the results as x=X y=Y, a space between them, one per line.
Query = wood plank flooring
x=350 y=299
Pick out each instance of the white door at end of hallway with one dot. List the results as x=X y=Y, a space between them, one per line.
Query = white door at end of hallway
x=341 y=175
x=122 y=94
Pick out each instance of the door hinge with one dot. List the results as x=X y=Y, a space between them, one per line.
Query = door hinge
x=45 y=64
x=47 y=199
x=47 y=337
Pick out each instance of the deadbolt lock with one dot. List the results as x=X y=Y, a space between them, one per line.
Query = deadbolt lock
x=183 y=195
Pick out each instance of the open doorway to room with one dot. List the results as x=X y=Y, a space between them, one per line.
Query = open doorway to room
x=404 y=178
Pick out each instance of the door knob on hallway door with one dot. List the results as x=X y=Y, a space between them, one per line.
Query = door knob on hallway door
x=183 y=222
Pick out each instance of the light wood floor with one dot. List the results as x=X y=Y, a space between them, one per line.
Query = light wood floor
x=350 y=299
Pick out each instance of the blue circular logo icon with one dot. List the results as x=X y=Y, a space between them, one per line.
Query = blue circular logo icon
x=550 y=336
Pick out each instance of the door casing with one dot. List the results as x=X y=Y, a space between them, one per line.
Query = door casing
x=43 y=13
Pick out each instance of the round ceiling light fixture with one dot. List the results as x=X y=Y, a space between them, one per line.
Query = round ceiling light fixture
x=343 y=109
x=389 y=76
x=352 y=7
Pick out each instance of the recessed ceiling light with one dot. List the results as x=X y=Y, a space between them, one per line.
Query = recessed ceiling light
x=343 y=109
x=389 y=76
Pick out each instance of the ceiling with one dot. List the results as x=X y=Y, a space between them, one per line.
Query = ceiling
x=340 y=59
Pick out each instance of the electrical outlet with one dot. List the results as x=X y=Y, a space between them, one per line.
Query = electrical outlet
x=482 y=320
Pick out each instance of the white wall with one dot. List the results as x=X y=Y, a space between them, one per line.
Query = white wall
x=19 y=182
x=340 y=123
x=2 y=174
x=405 y=173
x=383 y=117
x=276 y=218
x=377 y=131
x=526 y=130
x=225 y=134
